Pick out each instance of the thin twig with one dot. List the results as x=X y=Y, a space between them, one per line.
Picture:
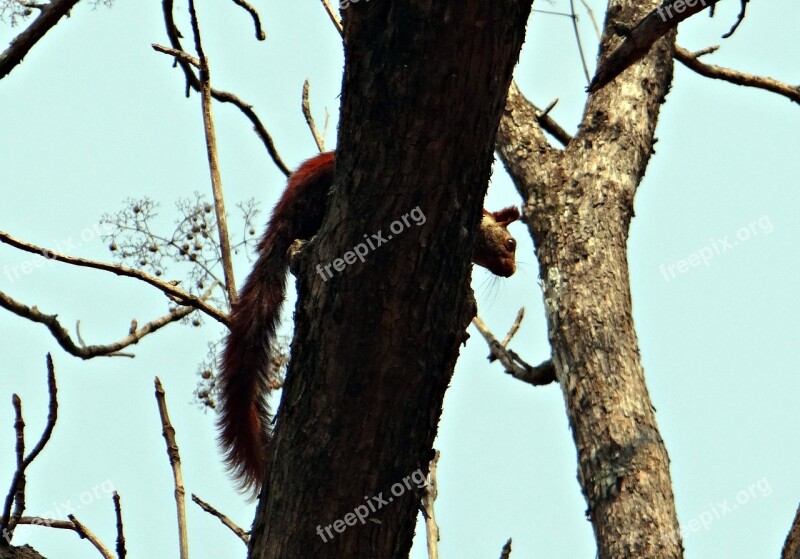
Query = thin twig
x=192 y=82
x=574 y=19
x=739 y=19
x=514 y=328
x=260 y=35
x=541 y=374
x=121 y=551
x=213 y=161
x=179 y=54
x=428 y=499
x=705 y=51
x=63 y=338
x=691 y=61
x=592 y=18
x=506 y=552
x=52 y=413
x=84 y=532
x=178 y=295
x=310 y=119
x=243 y=535
x=550 y=126
x=337 y=23
x=17 y=491
x=175 y=462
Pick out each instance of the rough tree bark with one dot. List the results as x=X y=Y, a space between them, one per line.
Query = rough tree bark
x=578 y=206
x=375 y=345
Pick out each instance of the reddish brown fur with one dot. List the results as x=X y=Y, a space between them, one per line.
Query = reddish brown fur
x=495 y=248
x=244 y=420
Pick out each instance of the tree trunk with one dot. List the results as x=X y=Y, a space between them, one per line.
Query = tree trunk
x=579 y=203
x=376 y=341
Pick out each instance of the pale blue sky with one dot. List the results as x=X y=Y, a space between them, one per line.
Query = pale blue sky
x=94 y=116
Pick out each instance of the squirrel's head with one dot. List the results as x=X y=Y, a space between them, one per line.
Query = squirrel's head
x=495 y=248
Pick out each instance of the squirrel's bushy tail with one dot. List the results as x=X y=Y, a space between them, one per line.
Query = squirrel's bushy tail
x=244 y=382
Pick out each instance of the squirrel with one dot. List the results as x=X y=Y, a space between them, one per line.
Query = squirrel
x=244 y=421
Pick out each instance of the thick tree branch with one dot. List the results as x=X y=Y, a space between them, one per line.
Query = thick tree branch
x=522 y=146
x=692 y=61
x=178 y=295
x=47 y=19
x=638 y=40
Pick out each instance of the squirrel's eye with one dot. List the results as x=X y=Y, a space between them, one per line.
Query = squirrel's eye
x=511 y=244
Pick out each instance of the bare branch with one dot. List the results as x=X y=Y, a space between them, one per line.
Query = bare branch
x=506 y=553
x=64 y=339
x=168 y=431
x=574 y=19
x=739 y=19
x=243 y=535
x=179 y=54
x=73 y=524
x=260 y=35
x=592 y=17
x=539 y=375
x=84 y=532
x=514 y=327
x=192 y=82
x=17 y=491
x=638 y=40
x=310 y=119
x=121 y=551
x=337 y=23
x=428 y=499
x=52 y=414
x=691 y=61
x=213 y=161
x=178 y=295
x=49 y=16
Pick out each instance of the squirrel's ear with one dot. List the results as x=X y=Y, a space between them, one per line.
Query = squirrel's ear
x=506 y=216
